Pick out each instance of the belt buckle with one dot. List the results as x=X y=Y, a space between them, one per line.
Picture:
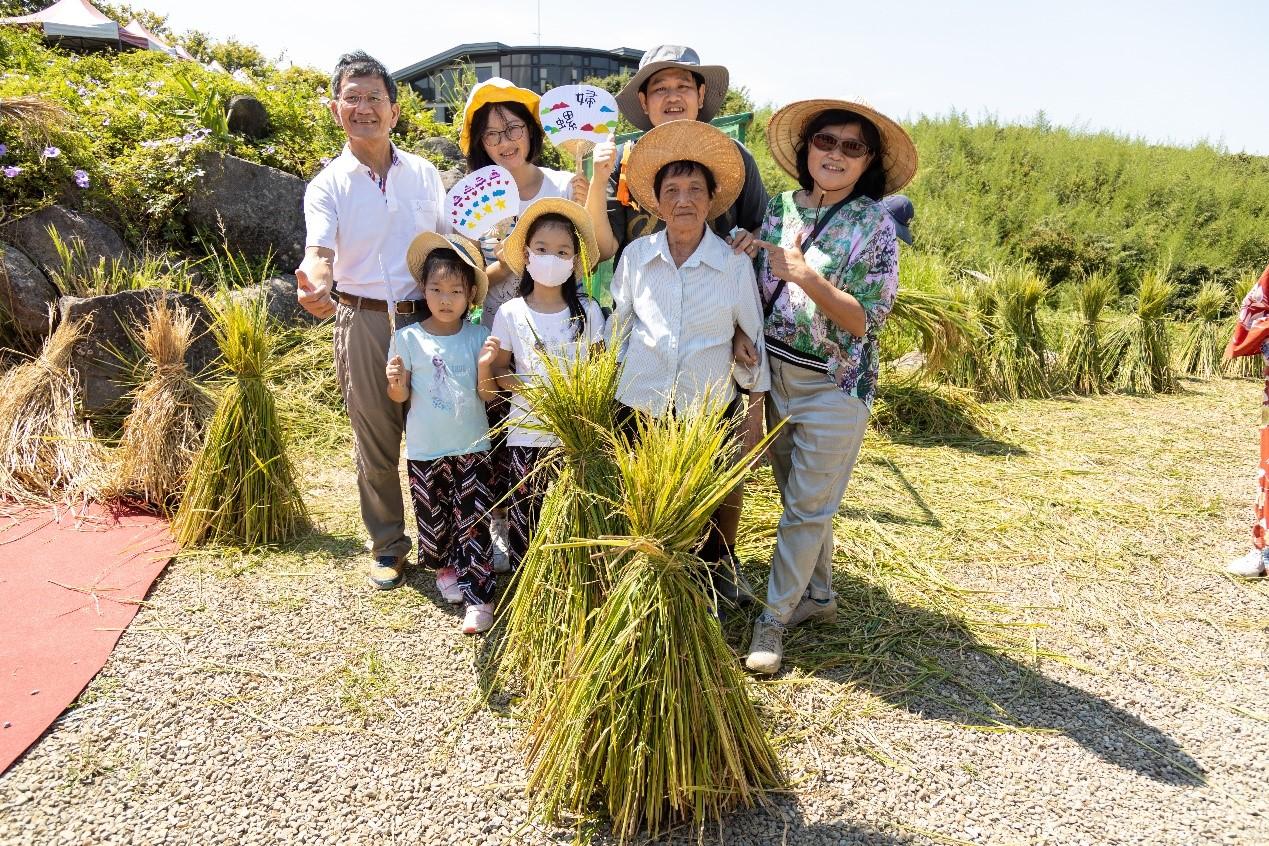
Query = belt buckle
x=410 y=303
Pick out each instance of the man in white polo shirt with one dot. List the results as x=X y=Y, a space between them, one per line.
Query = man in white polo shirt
x=361 y=212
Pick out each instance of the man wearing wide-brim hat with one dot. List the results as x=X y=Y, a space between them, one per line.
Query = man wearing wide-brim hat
x=672 y=84
x=681 y=294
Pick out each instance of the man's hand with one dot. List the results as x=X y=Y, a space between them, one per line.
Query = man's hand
x=604 y=159
x=313 y=282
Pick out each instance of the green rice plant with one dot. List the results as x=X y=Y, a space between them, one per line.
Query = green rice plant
x=1083 y=362
x=914 y=406
x=242 y=489
x=556 y=590
x=1203 y=338
x=1139 y=351
x=1014 y=365
x=654 y=719
x=80 y=276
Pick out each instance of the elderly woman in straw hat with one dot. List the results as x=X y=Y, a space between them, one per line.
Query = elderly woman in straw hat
x=827 y=267
x=680 y=294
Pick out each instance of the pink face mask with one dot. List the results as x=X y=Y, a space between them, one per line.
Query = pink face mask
x=548 y=270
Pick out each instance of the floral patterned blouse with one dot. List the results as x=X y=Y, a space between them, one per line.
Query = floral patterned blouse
x=857 y=252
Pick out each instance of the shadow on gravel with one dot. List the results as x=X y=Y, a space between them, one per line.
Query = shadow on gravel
x=932 y=664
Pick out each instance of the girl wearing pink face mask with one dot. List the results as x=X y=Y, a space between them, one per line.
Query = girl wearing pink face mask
x=551 y=243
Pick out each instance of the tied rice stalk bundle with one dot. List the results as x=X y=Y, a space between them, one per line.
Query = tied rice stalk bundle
x=169 y=414
x=940 y=322
x=1083 y=359
x=557 y=589
x=242 y=488
x=654 y=720
x=916 y=407
x=1014 y=352
x=1203 y=338
x=1140 y=355
x=47 y=453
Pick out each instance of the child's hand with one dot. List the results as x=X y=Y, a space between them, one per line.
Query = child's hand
x=488 y=353
x=396 y=373
x=579 y=187
x=743 y=350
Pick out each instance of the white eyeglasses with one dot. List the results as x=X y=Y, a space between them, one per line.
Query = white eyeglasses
x=355 y=100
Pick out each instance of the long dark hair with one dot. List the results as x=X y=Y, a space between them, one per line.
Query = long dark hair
x=445 y=262
x=872 y=182
x=577 y=314
x=476 y=155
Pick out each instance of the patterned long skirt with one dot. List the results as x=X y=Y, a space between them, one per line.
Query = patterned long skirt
x=451 y=502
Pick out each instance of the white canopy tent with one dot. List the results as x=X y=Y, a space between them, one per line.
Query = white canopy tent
x=81 y=24
x=135 y=27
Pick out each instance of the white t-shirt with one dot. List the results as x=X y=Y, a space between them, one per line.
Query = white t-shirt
x=370 y=230
x=528 y=334
x=555 y=183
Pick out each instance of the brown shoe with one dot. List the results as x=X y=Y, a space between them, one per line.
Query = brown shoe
x=814 y=611
x=386 y=572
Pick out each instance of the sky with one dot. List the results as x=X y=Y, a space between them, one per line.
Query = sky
x=1166 y=71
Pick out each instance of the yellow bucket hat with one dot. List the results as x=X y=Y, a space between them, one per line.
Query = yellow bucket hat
x=495 y=90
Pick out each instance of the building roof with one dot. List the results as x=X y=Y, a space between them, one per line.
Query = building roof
x=485 y=47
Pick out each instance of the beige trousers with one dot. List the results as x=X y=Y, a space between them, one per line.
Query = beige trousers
x=361 y=354
x=812 y=458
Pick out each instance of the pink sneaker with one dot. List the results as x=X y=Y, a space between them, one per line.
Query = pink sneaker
x=479 y=619
x=447 y=584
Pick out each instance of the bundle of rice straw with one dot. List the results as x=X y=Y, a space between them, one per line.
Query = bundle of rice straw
x=169 y=413
x=1139 y=350
x=47 y=454
x=557 y=589
x=915 y=406
x=1083 y=362
x=653 y=718
x=242 y=488
x=1203 y=338
x=1013 y=365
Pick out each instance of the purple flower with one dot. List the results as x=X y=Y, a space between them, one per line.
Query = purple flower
x=81 y=178
x=3 y=149
x=50 y=153
x=12 y=171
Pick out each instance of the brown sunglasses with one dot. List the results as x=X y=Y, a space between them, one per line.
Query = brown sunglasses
x=852 y=148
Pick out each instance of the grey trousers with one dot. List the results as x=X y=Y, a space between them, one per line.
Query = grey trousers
x=361 y=354
x=812 y=458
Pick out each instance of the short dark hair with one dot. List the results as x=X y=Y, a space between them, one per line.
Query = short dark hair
x=476 y=155
x=700 y=80
x=872 y=182
x=361 y=63
x=446 y=262
x=684 y=167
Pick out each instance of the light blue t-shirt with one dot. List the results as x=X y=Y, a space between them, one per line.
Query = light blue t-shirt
x=446 y=416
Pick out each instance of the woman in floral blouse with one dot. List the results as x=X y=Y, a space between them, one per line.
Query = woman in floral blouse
x=827 y=272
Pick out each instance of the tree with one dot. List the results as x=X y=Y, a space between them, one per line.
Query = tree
x=123 y=14
x=17 y=8
x=232 y=54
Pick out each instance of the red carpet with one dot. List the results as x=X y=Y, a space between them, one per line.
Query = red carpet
x=69 y=584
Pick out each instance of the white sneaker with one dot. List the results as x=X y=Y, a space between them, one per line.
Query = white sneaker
x=1249 y=566
x=447 y=584
x=766 y=650
x=501 y=558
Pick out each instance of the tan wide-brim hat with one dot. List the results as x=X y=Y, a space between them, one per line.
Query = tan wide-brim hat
x=468 y=251
x=665 y=56
x=898 y=153
x=496 y=90
x=513 y=247
x=685 y=140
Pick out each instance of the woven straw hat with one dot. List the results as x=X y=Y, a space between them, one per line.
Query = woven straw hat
x=688 y=140
x=495 y=90
x=513 y=247
x=665 y=56
x=784 y=137
x=423 y=244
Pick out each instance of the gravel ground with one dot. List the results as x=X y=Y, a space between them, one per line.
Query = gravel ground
x=276 y=699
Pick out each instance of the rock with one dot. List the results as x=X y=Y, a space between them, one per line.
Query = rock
x=260 y=209
x=445 y=148
x=26 y=296
x=103 y=356
x=247 y=116
x=30 y=235
x=449 y=178
x=279 y=293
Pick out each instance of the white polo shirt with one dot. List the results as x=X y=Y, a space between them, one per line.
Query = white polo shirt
x=370 y=229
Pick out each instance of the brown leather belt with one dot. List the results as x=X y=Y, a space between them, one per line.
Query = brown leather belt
x=355 y=302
